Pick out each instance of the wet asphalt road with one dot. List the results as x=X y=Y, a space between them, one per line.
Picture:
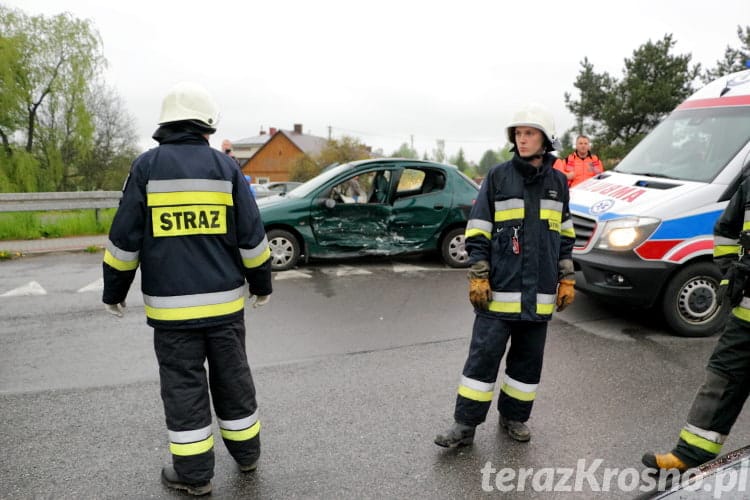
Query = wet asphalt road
x=356 y=366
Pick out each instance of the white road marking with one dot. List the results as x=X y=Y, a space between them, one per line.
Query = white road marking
x=31 y=288
x=409 y=268
x=346 y=271
x=94 y=286
x=291 y=274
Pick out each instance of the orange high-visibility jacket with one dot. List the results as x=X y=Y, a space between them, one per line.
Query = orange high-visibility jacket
x=583 y=168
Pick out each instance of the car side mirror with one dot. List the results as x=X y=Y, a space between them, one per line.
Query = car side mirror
x=329 y=203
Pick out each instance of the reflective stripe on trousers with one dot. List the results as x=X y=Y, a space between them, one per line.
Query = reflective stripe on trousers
x=523 y=369
x=185 y=394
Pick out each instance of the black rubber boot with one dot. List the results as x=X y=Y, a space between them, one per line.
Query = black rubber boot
x=249 y=467
x=171 y=479
x=516 y=430
x=458 y=435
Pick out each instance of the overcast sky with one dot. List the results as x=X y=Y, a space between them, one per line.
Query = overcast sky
x=386 y=72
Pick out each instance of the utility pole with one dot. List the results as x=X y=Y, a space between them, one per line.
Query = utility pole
x=329 y=132
x=412 y=141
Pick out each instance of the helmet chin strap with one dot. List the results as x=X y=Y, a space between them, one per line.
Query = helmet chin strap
x=536 y=156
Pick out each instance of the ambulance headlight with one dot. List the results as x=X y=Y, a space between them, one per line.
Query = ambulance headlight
x=627 y=233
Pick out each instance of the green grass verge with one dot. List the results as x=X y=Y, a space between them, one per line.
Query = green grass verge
x=55 y=224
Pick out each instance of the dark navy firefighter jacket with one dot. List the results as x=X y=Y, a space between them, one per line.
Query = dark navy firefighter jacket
x=521 y=225
x=188 y=220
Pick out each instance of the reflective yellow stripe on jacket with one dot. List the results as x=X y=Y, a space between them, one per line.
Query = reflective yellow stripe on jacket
x=726 y=246
x=510 y=209
x=510 y=302
x=196 y=306
x=255 y=257
x=119 y=259
x=189 y=192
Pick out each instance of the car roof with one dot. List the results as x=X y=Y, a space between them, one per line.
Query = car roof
x=380 y=161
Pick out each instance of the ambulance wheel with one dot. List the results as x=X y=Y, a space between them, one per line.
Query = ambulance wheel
x=285 y=249
x=452 y=248
x=689 y=303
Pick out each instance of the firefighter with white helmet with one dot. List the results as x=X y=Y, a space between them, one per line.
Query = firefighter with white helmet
x=187 y=219
x=520 y=239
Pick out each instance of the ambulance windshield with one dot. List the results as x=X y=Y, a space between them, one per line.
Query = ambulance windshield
x=690 y=145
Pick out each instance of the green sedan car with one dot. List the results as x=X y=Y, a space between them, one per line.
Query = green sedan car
x=387 y=206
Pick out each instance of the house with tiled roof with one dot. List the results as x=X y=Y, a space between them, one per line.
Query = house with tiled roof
x=270 y=157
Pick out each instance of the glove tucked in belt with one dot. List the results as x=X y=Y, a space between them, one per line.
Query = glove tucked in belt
x=565 y=293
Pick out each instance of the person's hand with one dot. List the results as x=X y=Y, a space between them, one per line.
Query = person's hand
x=479 y=292
x=115 y=309
x=565 y=293
x=259 y=300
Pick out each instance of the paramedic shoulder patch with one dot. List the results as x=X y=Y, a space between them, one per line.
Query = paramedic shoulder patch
x=189 y=220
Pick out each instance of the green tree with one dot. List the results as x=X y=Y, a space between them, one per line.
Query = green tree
x=405 y=151
x=489 y=159
x=108 y=162
x=342 y=150
x=734 y=59
x=460 y=160
x=618 y=114
x=304 y=169
x=50 y=77
x=438 y=154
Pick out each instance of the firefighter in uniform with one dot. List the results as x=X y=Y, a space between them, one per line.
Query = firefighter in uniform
x=188 y=220
x=718 y=402
x=519 y=238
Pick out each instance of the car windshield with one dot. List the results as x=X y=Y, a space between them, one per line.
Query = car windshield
x=308 y=187
x=690 y=145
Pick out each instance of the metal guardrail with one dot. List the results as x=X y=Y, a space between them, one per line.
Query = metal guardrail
x=27 y=202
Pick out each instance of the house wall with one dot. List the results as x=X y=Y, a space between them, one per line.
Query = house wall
x=274 y=160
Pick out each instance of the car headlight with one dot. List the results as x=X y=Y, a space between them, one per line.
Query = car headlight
x=627 y=233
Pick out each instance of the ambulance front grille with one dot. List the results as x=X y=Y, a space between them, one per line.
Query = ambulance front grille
x=584 y=229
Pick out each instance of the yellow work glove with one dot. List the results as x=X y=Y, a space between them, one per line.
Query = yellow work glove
x=479 y=292
x=565 y=294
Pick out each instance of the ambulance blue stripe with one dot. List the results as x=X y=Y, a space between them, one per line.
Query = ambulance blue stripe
x=687 y=227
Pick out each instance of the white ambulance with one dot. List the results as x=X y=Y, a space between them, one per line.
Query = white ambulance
x=644 y=230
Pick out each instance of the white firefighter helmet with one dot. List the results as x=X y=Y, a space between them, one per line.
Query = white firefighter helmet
x=188 y=101
x=535 y=116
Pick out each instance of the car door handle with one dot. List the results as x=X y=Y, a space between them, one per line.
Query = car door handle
x=438 y=207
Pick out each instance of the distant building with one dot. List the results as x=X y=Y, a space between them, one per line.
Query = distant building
x=270 y=157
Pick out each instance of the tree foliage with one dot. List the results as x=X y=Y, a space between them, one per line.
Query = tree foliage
x=734 y=59
x=617 y=114
x=304 y=169
x=460 y=160
x=405 y=151
x=342 y=150
x=50 y=106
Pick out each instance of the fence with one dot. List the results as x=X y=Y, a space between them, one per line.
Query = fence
x=26 y=202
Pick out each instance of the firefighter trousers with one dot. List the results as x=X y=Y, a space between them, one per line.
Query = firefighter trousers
x=523 y=368
x=719 y=400
x=185 y=393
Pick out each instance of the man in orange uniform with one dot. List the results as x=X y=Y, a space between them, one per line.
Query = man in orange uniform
x=580 y=164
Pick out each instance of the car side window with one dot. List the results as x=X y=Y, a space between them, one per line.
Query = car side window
x=415 y=181
x=358 y=189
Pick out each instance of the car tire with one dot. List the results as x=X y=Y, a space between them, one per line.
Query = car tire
x=452 y=248
x=285 y=249
x=689 y=302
